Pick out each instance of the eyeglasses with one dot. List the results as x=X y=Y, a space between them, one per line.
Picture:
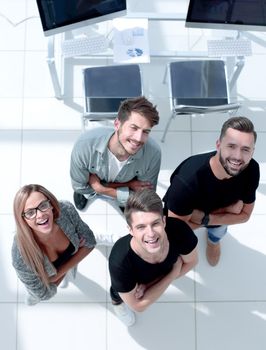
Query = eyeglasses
x=30 y=214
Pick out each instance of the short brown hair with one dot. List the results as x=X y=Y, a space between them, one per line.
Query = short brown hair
x=242 y=124
x=140 y=105
x=146 y=200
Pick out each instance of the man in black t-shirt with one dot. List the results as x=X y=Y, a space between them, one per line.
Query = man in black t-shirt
x=218 y=188
x=145 y=262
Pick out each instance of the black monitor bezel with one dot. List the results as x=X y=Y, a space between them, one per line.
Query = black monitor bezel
x=78 y=22
x=192 y=22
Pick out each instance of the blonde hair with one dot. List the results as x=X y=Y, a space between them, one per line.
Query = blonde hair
x=31 y=252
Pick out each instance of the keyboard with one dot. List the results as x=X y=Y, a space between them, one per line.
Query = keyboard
x=229 y=47
x=84 y=46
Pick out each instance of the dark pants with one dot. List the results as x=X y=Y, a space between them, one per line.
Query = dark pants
x=115 y=296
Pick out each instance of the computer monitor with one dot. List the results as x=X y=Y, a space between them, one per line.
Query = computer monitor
x=58 y=16
x=227 y=14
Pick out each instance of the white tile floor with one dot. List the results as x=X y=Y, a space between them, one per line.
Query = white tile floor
x=210 y=308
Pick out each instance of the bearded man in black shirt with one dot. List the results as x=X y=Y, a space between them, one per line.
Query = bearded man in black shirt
x=217 y=189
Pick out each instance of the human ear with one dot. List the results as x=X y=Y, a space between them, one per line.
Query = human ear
x=130 y=230
x=116 y=124
x=218 y=144
x=164 y=221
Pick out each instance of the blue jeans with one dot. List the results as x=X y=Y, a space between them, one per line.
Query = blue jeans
x=216 y=233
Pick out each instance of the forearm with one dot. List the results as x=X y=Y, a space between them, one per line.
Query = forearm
x=133 y=185
x=151 y=294
x=107 y=191
x=193 y=225
x=120 y=194
x=188 y=219
x=59 y=280
x=228 y=218
x=117 y=184
x=156 y=289
x=236 y=213
x=73 y=261
x=221 y=219
x=186 y=267
x=120 y=190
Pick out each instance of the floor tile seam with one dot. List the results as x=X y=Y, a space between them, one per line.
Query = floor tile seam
x=59 y=302
x=8 y=51
x=170 y=302
x=189 y=130
x=195 y=309
x=46 y=130
x=159 y=131
x=257 y=214
x=21 y=51
x=16 y=321
x=22 y=111
x=230 y=301
x=107 y=294
x=158 y=302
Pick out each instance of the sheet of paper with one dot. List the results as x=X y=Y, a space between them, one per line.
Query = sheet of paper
x=130 y=40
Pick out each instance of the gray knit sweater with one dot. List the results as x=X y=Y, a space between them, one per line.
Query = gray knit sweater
x=74 y=228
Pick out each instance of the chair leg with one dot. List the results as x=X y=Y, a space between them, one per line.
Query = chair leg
x=172 y=116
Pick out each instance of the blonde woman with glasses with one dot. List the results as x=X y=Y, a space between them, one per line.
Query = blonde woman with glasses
x=51 y=239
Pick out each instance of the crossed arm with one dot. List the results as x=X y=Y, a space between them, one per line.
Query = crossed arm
x=110 y=189
x=72 y=262
x=142 y=295
x=236 y=213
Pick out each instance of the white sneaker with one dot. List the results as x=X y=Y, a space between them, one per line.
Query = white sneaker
x=107 y=240
x=124 y=313
x=31 y=300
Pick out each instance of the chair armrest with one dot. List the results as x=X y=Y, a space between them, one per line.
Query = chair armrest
x=183 y=109
x=94 y=116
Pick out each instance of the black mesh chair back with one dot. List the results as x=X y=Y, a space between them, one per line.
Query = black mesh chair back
x=106 y=87
x=199 y=83
x=198 y=87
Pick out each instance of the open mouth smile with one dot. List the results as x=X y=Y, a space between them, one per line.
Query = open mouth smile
x=135 y=144
x=234 y=163
x=43 y=222
x=152 y=241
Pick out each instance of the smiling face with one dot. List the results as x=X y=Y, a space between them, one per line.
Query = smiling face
x=148 y=231
x=235 y=151
x=43 y=222
x=132 y=134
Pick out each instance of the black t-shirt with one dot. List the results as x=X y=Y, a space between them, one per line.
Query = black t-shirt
x=64 y=256
x=194 y=186
x=127 y=268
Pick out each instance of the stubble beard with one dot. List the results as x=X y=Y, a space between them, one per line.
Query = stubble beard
x=226 y=168
x=122 y=150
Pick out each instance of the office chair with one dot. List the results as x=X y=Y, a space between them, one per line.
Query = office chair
x=106 y=87
x=198 y=87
